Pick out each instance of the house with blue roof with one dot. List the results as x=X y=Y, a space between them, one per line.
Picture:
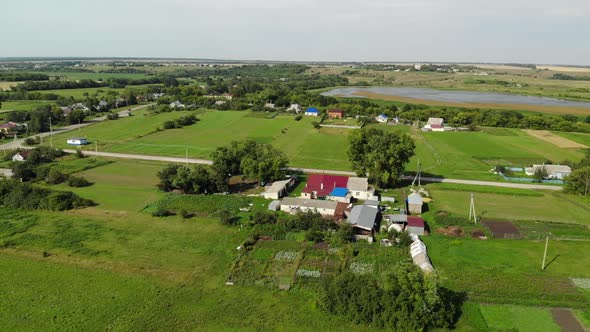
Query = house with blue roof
x=312 y=111
x=340 y=194
x=382 y=118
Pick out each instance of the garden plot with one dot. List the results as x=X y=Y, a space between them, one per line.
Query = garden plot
x=269 y=263
x=319 y=262
x=370 y=258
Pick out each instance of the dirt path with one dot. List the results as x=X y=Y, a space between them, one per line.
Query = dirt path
x=557 y=140
x=566 y=320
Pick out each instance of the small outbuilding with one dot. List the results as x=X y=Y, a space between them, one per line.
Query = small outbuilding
x=278 y=189
x=415 y=225
x=335 y=114
x=274 y=205
x=21 y=155
x=77 y=141
x=363 y=218
x=312 y=111
x=382 y=118
x=415 y=203
x=435 y=124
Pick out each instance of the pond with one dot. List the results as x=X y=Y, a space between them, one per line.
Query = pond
x=457 y=96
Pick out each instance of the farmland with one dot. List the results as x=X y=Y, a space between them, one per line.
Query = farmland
x=79 y=93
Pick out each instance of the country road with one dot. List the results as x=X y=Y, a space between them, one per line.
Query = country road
x=327 y=171
x=19 y=143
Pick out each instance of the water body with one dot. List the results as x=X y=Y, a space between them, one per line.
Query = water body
x=457 y=96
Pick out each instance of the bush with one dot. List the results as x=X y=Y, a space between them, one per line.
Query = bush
x=185 y=214
x=112 y=116
x=55 y=177
x=32 y=140
x=160 y=212
x=316 y=125
x=169 y=124
x=78 y=181
x=226 y=217
x=298 y=117
x=314 y=235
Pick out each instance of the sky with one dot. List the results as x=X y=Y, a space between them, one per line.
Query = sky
x=501 y=31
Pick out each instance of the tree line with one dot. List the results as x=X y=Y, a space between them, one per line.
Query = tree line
x=251 y=160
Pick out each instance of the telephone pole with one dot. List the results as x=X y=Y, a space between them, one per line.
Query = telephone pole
x=186 y=155
x=472 y=209
x=545 y=253
x=50 y=133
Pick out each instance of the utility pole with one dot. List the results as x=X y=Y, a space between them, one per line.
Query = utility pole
x=50 y=133
x=186 y=155
x=472 y=209
x=545 y=253
x=96 y=146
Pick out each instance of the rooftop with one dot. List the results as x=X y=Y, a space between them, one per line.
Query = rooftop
x=415 y=198
x=277 y=186
x=311 y=203
x=324 y=184
x=415 y=222
x=312 y=110
x=554 y=168
x=357 y=184
x=435 y=122
x=363 y=216
x=339 y=192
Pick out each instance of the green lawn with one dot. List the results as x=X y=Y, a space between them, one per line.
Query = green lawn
x=470 y=155
x=23 y=105
x=521 y=205
x=94 y=75
x=507 y=317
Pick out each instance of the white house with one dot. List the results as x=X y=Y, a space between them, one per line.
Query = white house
x=435 y=124
x=296 y=205
x=415 y=203
x=176 y=104
x=359 y=189
x=556 y=172
x=21 y=155
x=77 y=141
x=382 y=118
x=278 y=189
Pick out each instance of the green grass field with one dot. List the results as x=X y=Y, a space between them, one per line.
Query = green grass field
x=576 y=137
x=79 y=93
x=471 y=155
x=521 y=205
x=23 y=105
x=93 y=75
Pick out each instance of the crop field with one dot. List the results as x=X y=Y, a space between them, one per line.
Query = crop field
x=556 y=140
x=471 y=155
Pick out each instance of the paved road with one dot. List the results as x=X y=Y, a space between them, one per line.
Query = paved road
x=488 y=183
x=313 y=170
x=19 y=143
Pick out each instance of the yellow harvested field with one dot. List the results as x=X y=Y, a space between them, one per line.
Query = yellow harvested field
x=6 y=85
x=559 y=141
x=566 y=69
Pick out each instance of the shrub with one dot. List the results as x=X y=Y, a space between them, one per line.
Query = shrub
x=79 y=154
x=55 y=177
x=314 y=235
x=298 y=117
x=112 y=116
x=185 y=214
x=226 y=217
x=161 y=212
x=169 y=124
x=32 y=140
x=316 y=125
x=78 y=181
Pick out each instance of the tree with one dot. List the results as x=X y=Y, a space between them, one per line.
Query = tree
x=540 y=174
x=55 y=177
x=578 y=182
x=383 y=155
x=265 y=164
x=344 y=233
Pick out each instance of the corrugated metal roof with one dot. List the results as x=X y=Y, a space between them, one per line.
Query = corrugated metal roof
x=312 y=203
x=363 y=216
x=415 y=198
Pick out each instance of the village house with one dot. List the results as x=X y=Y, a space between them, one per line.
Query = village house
x=269 y=105
x=312 y=111
x=554 y=172
x=21 y=155
x=9 y=127
x=176 y=104
x=382 y=118
x=335 y=114
x=278 y=189
x=415 y=203
x=363 y=218
x=435 y=124
x=339 y=188
x=295 y=205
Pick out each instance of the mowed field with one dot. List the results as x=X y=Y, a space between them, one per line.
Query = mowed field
x=466 y=155
x=79 y=93
x=305 y=146
x=95 y=75
x=23 y=105
x=471 y=155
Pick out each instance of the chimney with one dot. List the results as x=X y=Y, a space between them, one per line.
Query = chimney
x=322 y=186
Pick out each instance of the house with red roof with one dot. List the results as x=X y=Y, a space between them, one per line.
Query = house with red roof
x=335 y=113
x=322 y=185
x=435 y=124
